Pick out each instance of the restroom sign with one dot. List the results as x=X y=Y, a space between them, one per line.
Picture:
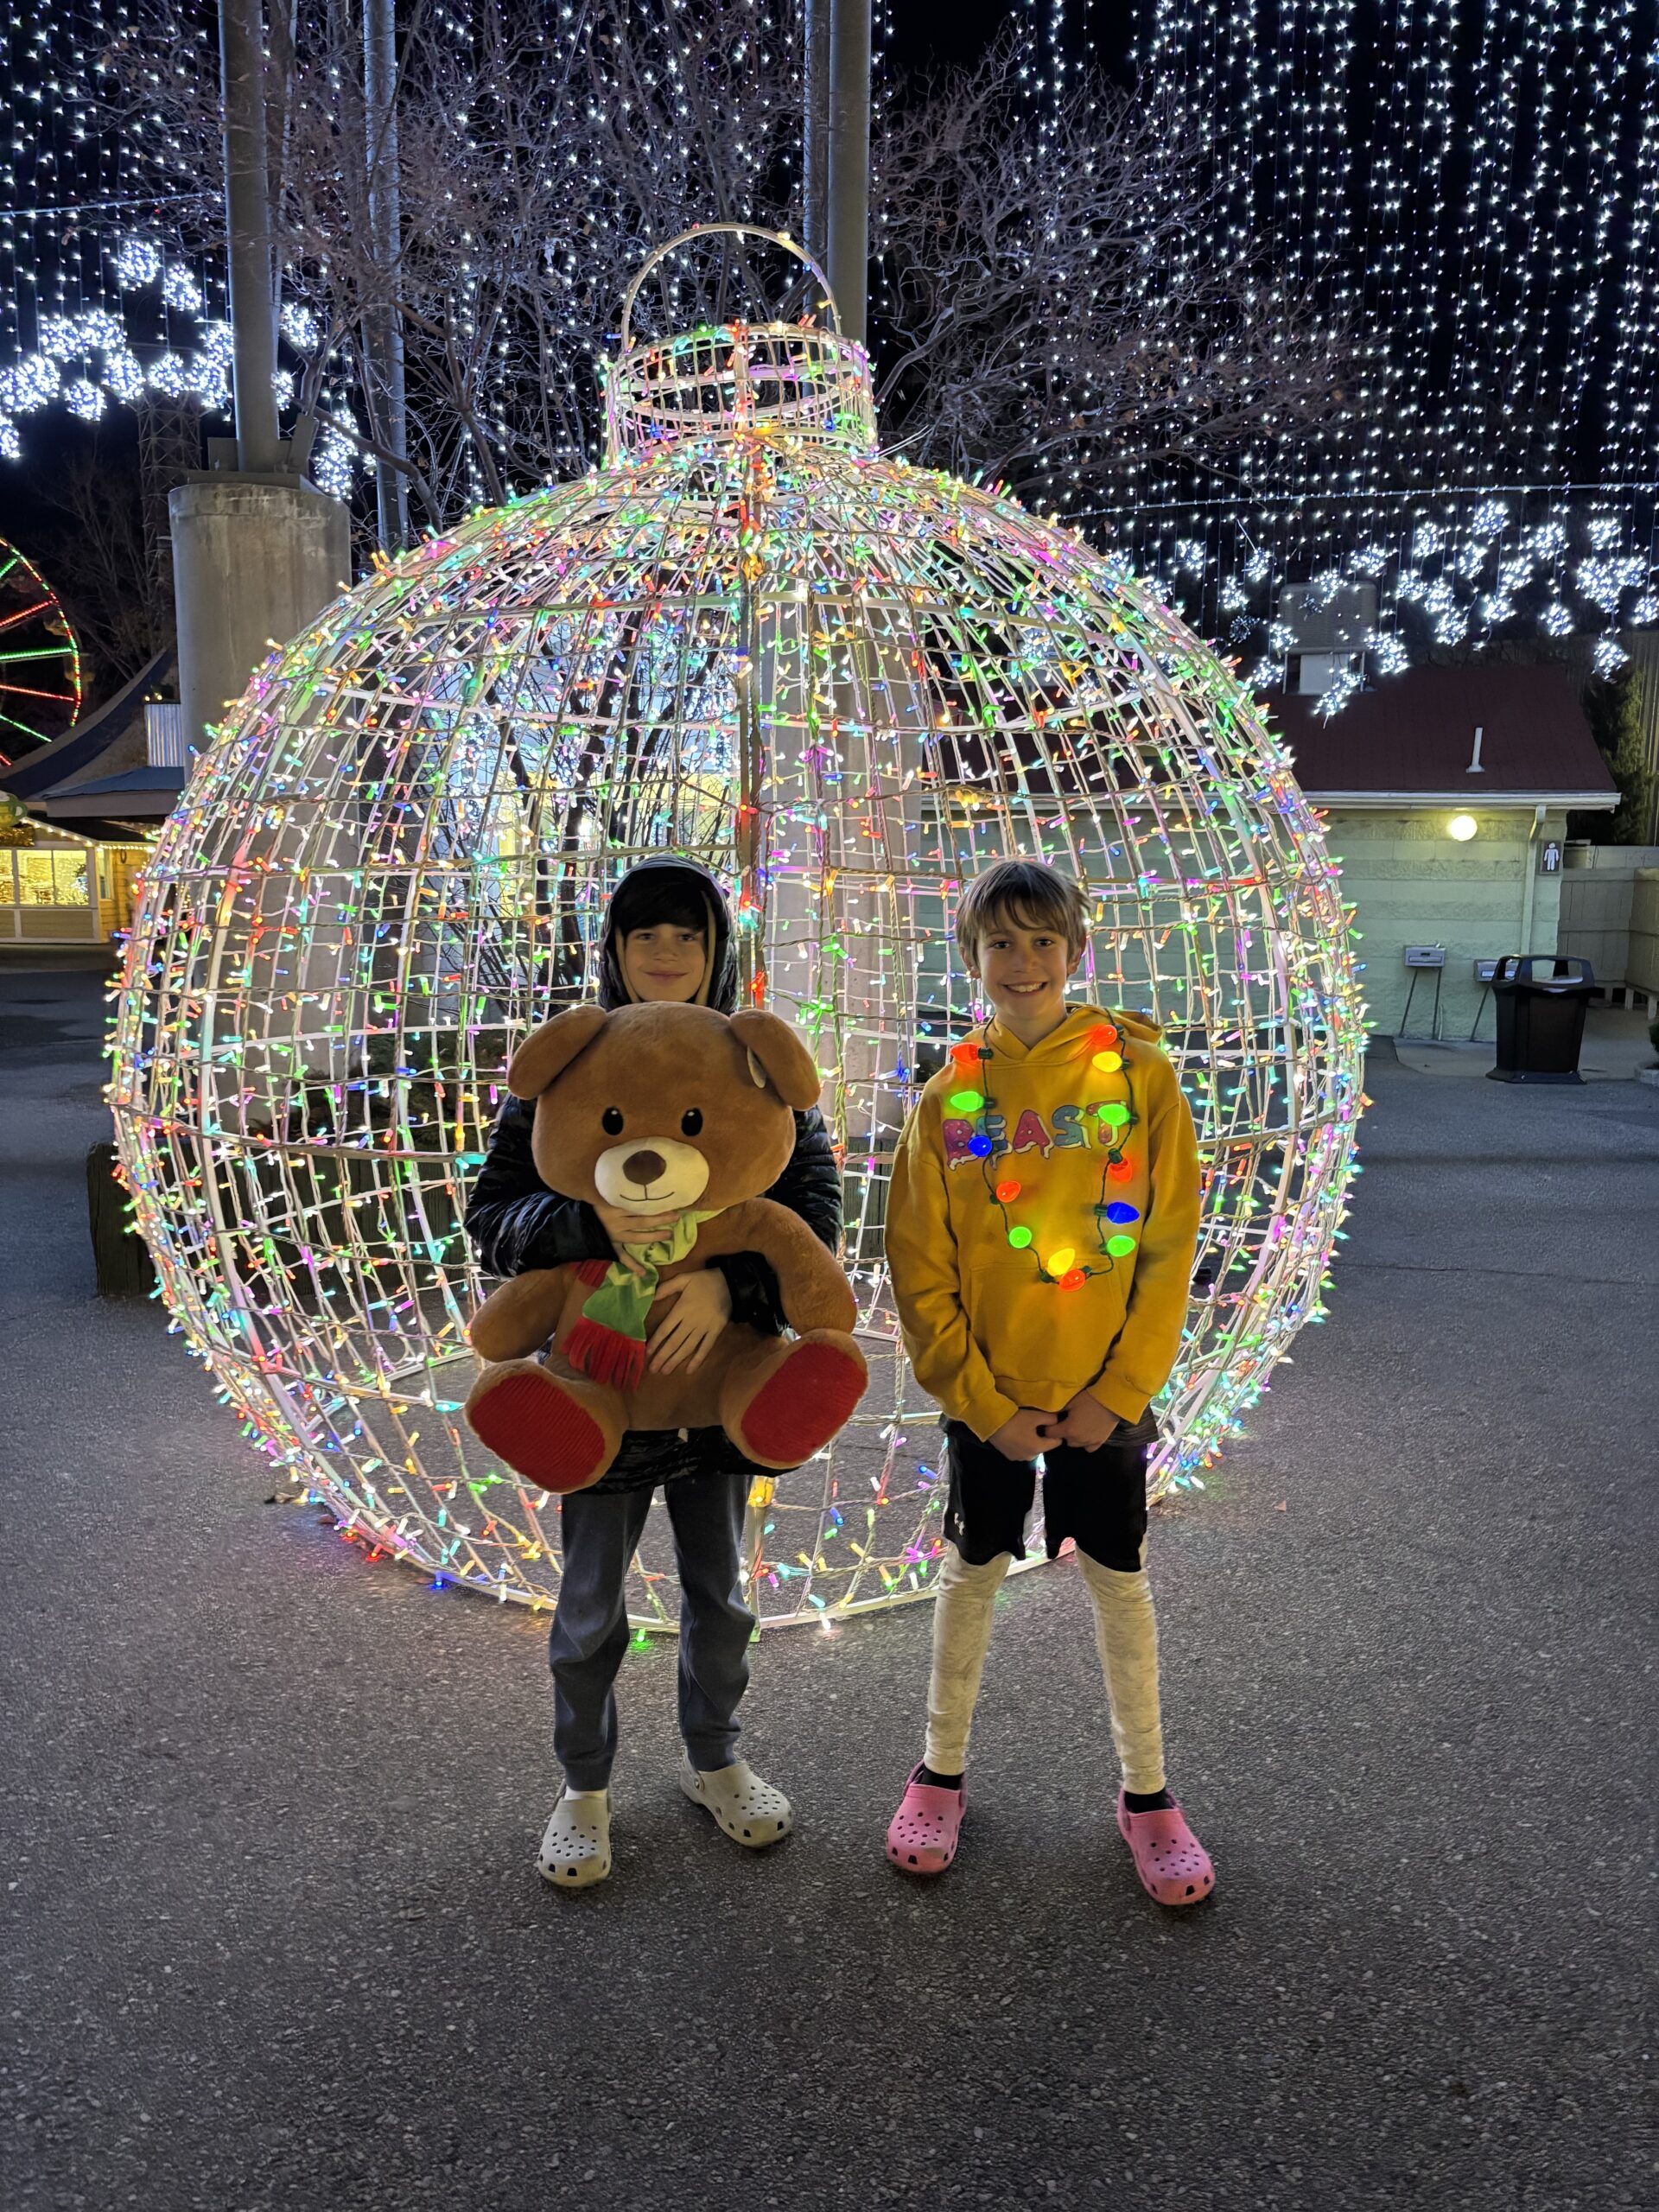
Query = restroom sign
x=1549 y=857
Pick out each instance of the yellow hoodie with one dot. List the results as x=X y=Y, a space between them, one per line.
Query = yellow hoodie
x=1042 y=1222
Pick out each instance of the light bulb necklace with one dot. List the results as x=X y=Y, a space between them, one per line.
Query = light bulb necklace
x=1114 y=1218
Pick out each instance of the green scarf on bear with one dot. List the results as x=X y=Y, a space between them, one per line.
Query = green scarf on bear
x=608 y=1342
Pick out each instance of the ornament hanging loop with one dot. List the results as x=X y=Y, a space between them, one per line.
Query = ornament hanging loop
x=802 y=379
x=700 y=230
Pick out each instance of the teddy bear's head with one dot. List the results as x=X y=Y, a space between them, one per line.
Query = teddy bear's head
x=655 y=1108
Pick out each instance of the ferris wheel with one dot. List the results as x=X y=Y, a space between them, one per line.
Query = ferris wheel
x=40 y=661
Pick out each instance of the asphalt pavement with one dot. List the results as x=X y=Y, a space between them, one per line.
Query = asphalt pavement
x=273 y=1935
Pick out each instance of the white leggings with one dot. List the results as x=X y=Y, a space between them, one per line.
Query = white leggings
x=1125 y=1630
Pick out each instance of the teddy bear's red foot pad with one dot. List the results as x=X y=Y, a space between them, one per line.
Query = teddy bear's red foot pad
x=797 y=1410
x=539 y=1430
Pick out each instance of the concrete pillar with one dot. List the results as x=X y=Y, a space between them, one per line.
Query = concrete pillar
x=251 y=562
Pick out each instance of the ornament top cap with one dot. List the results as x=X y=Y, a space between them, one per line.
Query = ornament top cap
x=802 y=380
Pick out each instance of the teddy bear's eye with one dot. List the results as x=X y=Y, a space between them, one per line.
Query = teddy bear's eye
x=611 y=1121
x=690 y=1122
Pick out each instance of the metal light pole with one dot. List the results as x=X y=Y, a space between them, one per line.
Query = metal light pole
x=253 y=318
x=847 y=241
x=383 y=330
x=814 y=135
x=256 y=550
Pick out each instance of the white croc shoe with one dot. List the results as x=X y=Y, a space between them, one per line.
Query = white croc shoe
x=576 y=1846
x=746 y=1809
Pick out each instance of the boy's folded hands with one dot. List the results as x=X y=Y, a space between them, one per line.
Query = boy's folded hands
x=1025 y=1434
x=1084 y=1424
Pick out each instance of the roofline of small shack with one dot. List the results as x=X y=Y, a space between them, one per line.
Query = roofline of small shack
x=1573 y=802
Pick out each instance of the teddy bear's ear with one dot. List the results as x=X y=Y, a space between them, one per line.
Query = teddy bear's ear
x=547 y=1051
x=791 y=1067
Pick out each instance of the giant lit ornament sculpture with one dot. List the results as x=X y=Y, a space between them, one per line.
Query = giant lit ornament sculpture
x=842 y=683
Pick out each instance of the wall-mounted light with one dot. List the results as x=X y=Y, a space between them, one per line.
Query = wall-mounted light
x=1462 y=827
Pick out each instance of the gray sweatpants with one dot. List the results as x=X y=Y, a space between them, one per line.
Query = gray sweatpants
x=600 y=1529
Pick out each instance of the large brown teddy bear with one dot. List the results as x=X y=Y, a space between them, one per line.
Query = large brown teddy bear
x=652 y=1108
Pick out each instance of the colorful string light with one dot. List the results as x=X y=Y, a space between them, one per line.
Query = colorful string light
x=974 y=1129
x=843 y=683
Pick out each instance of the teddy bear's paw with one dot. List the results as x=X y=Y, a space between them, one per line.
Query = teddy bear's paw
x=808 y=1396
x=540 y=1428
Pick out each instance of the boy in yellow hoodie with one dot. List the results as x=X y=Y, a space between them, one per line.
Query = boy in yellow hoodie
x=1040 y=1236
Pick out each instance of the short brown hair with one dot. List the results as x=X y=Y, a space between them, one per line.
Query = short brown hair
x=1025 y=892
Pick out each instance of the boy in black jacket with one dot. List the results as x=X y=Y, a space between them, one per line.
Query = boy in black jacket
x=667 y=936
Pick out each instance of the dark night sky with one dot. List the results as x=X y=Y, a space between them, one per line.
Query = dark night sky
x=926 y=33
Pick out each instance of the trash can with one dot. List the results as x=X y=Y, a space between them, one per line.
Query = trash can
x=124 y=1267
x=1541 y=999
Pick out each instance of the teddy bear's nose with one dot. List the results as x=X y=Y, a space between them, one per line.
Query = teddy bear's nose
x=644 y=1167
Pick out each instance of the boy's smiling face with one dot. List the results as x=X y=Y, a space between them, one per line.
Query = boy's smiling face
x=1024 y=968
x=665 y=962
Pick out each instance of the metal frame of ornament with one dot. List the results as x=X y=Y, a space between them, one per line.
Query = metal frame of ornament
x=842 y=683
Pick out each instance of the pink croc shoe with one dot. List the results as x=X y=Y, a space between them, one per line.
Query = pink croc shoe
x=1173 y=1865
x=923 y=1833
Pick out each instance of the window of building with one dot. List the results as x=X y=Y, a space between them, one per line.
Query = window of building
x=51 y=879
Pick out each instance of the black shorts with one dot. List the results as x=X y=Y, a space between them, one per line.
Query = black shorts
x=1097 y=1499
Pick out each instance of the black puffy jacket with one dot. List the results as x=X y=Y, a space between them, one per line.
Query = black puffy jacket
x=516 y=1223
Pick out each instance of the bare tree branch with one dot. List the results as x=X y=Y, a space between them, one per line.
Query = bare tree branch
x=1047 y=312
x=93 y=545
x=1051 y=314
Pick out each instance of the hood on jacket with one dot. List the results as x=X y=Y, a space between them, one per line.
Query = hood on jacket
x=719 y=987
x=1061 y=1042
